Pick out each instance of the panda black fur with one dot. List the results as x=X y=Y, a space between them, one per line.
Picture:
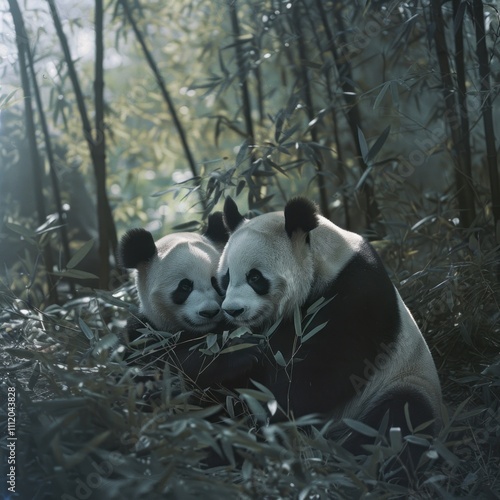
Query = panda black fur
x=369 y=358
x=178 y=293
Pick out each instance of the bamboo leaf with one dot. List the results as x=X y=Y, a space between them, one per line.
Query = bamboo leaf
x=23 y=231
x=240 y=186
x=297 y=321
x=258 y=395
x=211 y=340
x=363 y=146
x=381 y=94
x=256 y=408
x=80 y=254
x=378 y=144
x=263 y=388
x=280 y=359
x=242 y=153
x=239 y=332
x=237 y=347
x=85 y=329
x=360 y=427
x=35 y=375
x=363 y=178
x=75 y=273
x=314 y=331
x=20 y=353
x=280 y=120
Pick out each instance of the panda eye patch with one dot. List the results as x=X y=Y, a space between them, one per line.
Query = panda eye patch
x=216 y=286
x=256 y=280
x=182 y=292
x=225 y=281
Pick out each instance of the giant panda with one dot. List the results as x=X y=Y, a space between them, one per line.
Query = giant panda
x=365 y=359
x=178 y=294
x=176 y=277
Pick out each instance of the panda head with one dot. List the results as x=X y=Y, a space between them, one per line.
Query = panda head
x=267 y=266
x=176 y=276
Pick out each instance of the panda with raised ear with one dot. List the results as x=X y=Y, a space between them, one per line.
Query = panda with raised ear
x=178 y=292
x=176 y=276
x=369 y=358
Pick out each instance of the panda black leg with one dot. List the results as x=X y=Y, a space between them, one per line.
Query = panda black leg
x=403 y=469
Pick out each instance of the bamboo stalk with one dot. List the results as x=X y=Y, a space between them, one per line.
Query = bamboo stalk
x=165 y=94
x=99 y=149
x=464 y=144
x=63 y=229
x=254 y=191
x=489 y=128
x=22 y=47
x=349 y=93
x=465 y=194
x=307 y=93
x=106 y=227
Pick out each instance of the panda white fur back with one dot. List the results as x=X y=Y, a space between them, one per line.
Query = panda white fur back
x=176 y=278
x=369 y=358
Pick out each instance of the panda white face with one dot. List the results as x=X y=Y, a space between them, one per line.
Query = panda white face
x=177 y=290
x=264 y=272
x=176 y=280
x=275 y=262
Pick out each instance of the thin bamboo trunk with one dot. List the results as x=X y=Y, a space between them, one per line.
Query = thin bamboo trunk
x=165 y=94
x=307 y=94
x=254 y=185
x=22 y=47
x=349 y=92
x=107 y=230
x=465 y=194
x=489 y=127
x=99 y=148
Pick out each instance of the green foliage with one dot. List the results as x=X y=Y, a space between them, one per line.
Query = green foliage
x=340 y=101
x=88 y=419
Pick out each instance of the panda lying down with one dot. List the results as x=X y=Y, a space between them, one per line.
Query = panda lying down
x=358 y=354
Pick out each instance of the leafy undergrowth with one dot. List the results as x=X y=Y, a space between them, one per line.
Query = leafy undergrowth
x=89 y=425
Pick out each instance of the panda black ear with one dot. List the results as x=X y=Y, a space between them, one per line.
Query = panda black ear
x=300 y=213
x=232 y=217
x=216 y=231
x=136 y=246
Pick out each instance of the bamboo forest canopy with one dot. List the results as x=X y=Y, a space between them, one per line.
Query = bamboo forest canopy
x=127 y=113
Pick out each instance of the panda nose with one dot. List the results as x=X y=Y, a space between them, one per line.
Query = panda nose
x=233 y=312
x=209 y=313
